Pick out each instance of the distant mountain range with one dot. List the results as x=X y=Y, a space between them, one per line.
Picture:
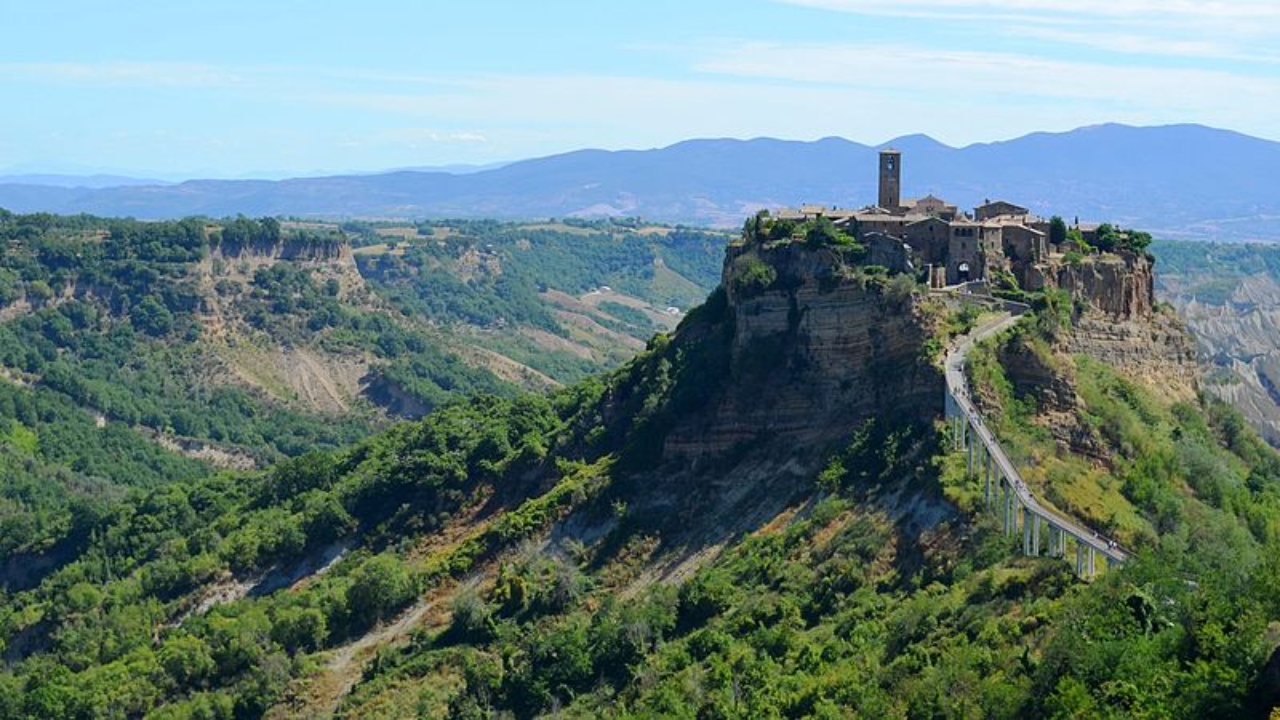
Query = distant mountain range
x=1178 y=181
x=95 y=181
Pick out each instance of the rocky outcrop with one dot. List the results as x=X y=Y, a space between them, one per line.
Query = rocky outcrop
x=290 y=249
x=1030 y=373
x=816 y=349
x=1115 y=320
x=1236 y=338
x=1118 y=285
x=1155 y=350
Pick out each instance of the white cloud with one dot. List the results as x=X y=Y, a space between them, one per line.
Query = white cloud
x=1139 y=44
x=423 y=137
x=1242 y=31
x=124 y=73
x=976 y=76
x=1212 y=10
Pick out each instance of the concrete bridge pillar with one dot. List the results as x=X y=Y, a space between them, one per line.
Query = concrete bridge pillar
x=1035 y=535
x=953 y=419
x=1013 y=511
x=1028 y=531
x=986 y=478
x=1002 y=500
x=971 y=451
x=1055 y=541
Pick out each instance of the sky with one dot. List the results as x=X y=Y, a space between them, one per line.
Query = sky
x=273 y=88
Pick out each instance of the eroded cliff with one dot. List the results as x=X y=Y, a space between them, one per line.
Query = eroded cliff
x=815 y=347
x=1115 y=320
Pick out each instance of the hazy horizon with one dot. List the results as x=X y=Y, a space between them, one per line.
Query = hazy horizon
x=69 y=173
x=281 y=89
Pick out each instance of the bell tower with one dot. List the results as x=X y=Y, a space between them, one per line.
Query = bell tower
x=890 y=179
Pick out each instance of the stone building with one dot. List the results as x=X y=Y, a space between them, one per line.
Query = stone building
x=890 y=180
x=954 y=247
x=1025 y=244
x=990 y=210
x=930 y=238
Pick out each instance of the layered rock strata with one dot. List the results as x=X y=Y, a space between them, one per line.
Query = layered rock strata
x=814 y=353
x=1117 y=322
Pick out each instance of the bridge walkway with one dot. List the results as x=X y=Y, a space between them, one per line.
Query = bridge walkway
x=1003 y=486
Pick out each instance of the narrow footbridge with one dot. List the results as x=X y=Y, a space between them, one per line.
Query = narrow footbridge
x=1003 y=487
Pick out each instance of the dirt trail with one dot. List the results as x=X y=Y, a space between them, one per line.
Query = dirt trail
x=346 y=666
x=232 y=589
x=319 y=695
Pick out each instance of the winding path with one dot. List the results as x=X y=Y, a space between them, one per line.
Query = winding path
x=1003 y=486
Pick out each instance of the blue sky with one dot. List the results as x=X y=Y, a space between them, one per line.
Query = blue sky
x=280 y=87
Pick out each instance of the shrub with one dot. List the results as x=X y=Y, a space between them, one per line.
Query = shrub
x=751 y=276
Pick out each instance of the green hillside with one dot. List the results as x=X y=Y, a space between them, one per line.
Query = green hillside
x=531 y=555
x=567 y=299
x=126 y=345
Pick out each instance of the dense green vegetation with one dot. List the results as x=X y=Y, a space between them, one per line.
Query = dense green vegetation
x=62 y=475
x=89 y=632
x=160 y=589
x=116 y=318
x=878 y=597
x=1212 y=271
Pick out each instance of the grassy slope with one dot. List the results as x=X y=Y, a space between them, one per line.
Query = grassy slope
x=832 y=610
x=868 y=594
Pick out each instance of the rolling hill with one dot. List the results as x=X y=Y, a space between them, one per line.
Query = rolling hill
x=761 y=515
x=1179 y=181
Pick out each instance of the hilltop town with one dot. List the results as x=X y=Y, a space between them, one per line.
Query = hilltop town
x=950 y=247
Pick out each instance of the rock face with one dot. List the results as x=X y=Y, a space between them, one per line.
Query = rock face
x=1119 y=285
x=1237 y=342
x=1116 y=320
x=1155 y=350
x=293 y=249
x=237 y=262
x=1030 y=374
x=816 y=349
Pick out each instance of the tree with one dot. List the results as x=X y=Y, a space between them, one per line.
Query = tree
x=1057 y=231
x=1108 y=237
x=39 y=291
x=152 y=317
x=1075 y=241
x=381 y=586
x=187 y=659
x=821 y=232
x=300 y=628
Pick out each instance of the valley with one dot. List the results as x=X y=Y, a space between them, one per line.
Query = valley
x=1229 y=296
x=735 y=359
x=760 y=513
